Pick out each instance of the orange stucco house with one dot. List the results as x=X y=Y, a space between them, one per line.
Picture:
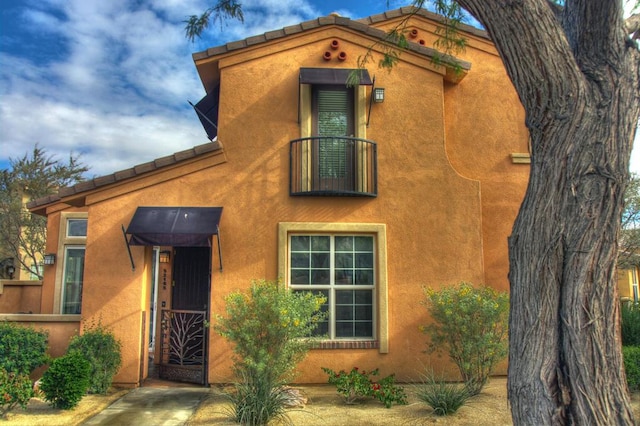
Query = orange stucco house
x=365 y=195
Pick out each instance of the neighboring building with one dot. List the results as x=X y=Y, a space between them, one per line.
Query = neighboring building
x=628 y=284
x=310 y=181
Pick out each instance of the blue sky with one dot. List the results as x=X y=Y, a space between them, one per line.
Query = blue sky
x=110 y=80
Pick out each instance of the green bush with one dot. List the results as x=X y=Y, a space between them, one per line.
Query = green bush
x=443 y=397
x=66 y=381
x=270 y=328
x=22 y=349
x=631 y=356
x=630 y=324
x=15 y=389
x=472 y=324
x=100 y=347
x=358 y=384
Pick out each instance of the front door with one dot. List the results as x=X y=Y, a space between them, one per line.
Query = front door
x=185 y=348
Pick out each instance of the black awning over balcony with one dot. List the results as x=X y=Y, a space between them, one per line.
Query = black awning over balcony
x=333 y=166
x=337 y=76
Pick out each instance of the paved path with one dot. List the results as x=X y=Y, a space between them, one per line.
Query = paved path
x=151 y=406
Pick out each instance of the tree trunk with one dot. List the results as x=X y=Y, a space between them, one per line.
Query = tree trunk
x=578 y=82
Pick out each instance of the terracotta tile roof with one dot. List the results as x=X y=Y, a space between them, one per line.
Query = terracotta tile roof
x=137 y=170
x=361 y=25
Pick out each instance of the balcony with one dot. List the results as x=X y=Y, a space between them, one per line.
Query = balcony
x=333 y=166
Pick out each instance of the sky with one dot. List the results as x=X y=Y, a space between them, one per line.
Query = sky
x=110 y=81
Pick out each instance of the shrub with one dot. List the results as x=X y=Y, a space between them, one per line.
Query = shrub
x=630 y=324
x=257 y=401
x=358 y=384
x=270 y=328
x=15 y=389
x=472 y=324
x=98 y=346
x=22 y=349
x=631 y=356
x=66 y=381
x=443 y=397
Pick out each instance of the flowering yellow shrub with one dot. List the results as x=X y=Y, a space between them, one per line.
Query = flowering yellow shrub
x=471 y=324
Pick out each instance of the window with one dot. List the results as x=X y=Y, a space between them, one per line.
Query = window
x=341 y=268
x=347 y=264
x=73 y=278
x=71 y=251
x=332 y=157
x=634 y=284
x=76 y=227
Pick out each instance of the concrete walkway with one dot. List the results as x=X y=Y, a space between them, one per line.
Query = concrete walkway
x=152 y=405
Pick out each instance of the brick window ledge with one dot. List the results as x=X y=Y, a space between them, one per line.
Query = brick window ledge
x=347 y=344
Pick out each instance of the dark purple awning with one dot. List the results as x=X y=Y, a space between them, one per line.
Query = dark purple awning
x=337 y=76
x=174 y=226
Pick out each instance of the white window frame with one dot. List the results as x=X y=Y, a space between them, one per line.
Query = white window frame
x=378 y=231
x=63 y=294
x=332 y=287
x=64 y=241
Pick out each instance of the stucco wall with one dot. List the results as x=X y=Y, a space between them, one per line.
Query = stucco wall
x=20 y=296
x=447 y=193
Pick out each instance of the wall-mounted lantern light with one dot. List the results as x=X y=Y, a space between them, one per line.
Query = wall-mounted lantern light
x=165 y=256
x=10 y=271
x=49 y=259
x=378 y=95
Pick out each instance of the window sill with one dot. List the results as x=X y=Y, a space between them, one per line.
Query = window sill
x=346 y=344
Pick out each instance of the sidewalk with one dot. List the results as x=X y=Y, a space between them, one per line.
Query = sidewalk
x=153 y=404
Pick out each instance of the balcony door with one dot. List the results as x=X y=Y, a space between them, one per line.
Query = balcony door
x=333 y=121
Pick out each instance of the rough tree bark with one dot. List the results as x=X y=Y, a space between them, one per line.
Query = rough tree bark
x=576 y=74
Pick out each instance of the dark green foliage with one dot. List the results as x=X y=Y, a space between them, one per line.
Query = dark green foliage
x=15 y=389
x=630 y=327
x=100 y=347
x=631 y=355
x=22 y=349
x=444 y=397
x=66 y=381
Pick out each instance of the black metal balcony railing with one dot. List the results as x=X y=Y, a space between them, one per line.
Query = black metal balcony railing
x=333 y=166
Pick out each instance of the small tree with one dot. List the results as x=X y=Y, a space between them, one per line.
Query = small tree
x=23 y=235
x=471 y=323
x=270 y=328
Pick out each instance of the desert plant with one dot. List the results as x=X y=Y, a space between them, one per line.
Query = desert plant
x=472 y=324
x=630 y=324
x=357 y=384
x=257 y=401
x=15 y=389
x=631 y=355
x=270 y=328
x=99 y=346
x=66 y=381
x=22 y=349
x=443 y=397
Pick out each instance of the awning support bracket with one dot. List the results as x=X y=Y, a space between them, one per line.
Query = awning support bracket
x=124 y=234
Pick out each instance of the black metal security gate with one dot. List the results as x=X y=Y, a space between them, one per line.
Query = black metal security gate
x=183 y=346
